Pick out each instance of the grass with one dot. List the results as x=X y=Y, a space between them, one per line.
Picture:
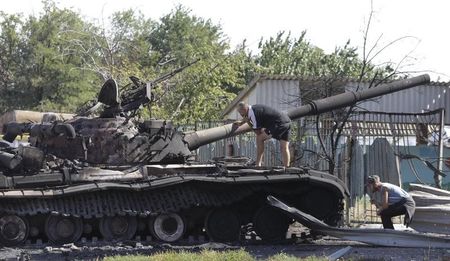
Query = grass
x=208 y=255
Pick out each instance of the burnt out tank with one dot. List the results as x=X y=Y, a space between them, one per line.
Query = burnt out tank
x=113 y=178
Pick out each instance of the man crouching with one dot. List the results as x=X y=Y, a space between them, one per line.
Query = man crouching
x=394 y=201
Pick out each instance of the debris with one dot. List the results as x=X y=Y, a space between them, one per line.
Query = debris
x=338 y=254
x=72 y=247
x=380 y=237
x=24 y=256
x=215 y=245
x=209 y=245
x=432 y=209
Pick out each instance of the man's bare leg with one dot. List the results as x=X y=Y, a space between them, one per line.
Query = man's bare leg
x=260 y=138
x=285 y=154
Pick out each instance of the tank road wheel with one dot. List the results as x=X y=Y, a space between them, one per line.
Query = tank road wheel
x=223 y=225
x=13 y=230
x=270 y=224
x=168 y=227
x=63 y=230
x=118 y=227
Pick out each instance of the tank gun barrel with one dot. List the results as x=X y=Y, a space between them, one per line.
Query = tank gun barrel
x=199 y=138
x=351 y=97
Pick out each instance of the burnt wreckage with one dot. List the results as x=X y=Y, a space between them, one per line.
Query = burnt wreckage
x=114 y=178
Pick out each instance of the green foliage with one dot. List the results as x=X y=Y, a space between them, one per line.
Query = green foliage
x=286 y=55
x=42 y=74
x=123 y=49
x=205 y=87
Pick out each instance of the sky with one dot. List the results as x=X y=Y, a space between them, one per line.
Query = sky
x=411 y=34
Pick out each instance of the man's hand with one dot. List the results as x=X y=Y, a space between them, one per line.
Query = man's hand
x=236 y=125
x=258 y=131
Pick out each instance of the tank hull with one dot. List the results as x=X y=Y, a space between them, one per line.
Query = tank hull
x=200 y=201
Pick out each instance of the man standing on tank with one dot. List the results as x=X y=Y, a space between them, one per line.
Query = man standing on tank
x=267 y=123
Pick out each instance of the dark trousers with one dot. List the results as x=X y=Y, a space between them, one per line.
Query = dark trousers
x=393 y=210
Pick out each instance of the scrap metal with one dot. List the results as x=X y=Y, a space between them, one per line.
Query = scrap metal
x=432 y=209
x=379 y=237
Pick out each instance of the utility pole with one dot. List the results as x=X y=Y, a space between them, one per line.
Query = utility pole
x=437 y=177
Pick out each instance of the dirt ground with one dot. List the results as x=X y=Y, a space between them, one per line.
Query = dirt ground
x=320 y=247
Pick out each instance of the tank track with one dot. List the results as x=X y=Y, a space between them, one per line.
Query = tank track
x=188 y=198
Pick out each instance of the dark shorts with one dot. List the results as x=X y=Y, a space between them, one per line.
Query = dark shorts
x=280 y=132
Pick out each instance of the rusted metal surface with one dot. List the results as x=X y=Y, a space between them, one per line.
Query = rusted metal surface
x=379 y=237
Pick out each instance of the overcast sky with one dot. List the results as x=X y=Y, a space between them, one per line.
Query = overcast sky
x=329 y=23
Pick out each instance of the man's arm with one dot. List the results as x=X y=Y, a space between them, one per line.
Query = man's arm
x=384 y=200
x=237 y=124
x=247 y=120
x=243 y=121
x=258 y=131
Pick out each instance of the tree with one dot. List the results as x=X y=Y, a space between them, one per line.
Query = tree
x=119 y=50
x=145 y=48
x=180 y=38
x=11 y=60
x=285 y=55
x=43 y=74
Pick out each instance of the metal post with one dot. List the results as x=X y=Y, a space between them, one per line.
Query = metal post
x=438 y=178
x=347 y=177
